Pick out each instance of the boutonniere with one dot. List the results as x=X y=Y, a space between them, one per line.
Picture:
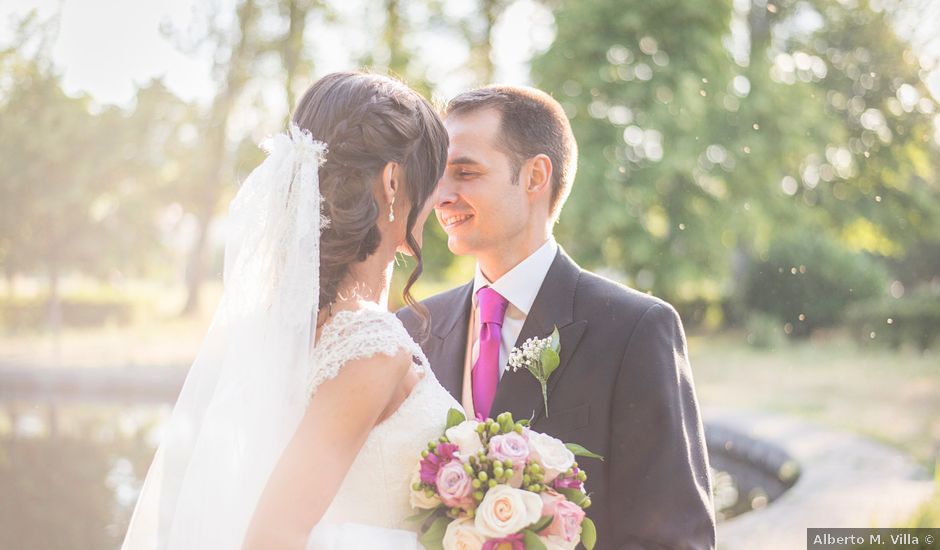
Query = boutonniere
x=539 y=356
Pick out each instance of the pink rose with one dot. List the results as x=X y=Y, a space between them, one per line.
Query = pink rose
x=454 y=485
x=567 y=519
x=550 y=499
x=431 y=464
x=511 y=446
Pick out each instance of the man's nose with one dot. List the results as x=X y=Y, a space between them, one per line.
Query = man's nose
x=446 y=192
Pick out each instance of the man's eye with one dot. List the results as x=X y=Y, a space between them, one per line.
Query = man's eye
x=466 y=174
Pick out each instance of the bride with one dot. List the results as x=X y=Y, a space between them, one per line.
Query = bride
x=301 y=420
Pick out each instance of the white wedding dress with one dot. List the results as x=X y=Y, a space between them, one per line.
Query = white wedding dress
x=373 y=501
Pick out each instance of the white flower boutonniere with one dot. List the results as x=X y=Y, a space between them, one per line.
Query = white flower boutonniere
x=539 y=356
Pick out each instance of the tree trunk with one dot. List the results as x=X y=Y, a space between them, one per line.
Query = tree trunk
x=292 y=50
x=491 y=9
x=196 y=263
x=392 y=36
x=55 y=311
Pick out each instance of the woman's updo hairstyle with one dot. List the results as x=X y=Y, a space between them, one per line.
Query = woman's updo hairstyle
x=367 y=121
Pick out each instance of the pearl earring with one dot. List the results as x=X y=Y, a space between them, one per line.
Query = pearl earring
x=391 y=210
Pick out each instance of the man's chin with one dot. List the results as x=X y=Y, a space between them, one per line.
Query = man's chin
x=459 y=247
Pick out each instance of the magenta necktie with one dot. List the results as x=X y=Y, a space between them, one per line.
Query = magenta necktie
x=485 y=374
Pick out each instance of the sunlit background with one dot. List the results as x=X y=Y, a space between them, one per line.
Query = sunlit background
x=772 y=168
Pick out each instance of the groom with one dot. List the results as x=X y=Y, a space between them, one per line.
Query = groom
x=623 y=388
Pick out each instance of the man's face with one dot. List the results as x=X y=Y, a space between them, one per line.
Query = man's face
x=479 y=205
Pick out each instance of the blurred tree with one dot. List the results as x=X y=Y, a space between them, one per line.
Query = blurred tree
x=237 y=50
x=643 y=100
x=294 y=56
x=393 y=34
x=808 y=281
x=70 y=180
x=698 y=147
x=876 y=182
x=476 y=28
x=391 y=53
x=167 y=163
x=241 y=49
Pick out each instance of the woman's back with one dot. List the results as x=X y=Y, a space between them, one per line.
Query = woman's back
x=375 y=491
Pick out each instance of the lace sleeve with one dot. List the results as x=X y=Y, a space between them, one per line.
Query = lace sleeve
x=359 y=334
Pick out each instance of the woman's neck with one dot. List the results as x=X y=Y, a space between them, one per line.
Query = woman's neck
x=368 y=281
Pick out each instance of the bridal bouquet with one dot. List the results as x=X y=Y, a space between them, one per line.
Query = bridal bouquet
x=496 y=485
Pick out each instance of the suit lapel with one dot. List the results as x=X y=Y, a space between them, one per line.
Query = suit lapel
x=450 y=333
x=519 y=392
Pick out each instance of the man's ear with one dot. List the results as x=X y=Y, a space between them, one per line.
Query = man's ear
x=538 y=174
x=390 y=181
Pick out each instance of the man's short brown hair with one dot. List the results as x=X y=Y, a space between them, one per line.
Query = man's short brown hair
x=531 y=123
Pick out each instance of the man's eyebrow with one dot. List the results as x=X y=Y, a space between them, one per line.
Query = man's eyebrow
x=462 y=160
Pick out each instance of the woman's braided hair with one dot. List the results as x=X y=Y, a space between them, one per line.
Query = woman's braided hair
x=367 y=121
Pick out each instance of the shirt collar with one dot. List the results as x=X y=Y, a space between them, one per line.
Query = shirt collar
x=521 y=284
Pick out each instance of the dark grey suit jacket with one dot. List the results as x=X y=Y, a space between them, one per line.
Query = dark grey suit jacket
x=623 y=389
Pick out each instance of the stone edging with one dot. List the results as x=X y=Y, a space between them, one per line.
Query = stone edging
x=845 y=481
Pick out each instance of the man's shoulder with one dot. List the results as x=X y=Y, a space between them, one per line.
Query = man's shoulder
x=598 y=293
x=445 y=299
x=618 y=311
x=436 y=304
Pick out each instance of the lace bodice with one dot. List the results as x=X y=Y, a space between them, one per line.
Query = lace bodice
x=376 y=490
x=356 y=335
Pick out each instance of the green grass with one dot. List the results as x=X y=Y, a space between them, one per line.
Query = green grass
x=890 y=396
x=893 y=397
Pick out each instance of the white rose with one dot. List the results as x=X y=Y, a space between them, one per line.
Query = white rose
x=465 y=436
x=506 y=511
x=554 y=542
x=551 y=454
x=419 y=499
x=462 y=535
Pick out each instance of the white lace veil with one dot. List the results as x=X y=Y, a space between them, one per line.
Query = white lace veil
x=245 y=393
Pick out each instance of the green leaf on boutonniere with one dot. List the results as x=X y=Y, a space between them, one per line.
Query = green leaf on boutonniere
x=588 y=533
x=433 y=538
x=454 y=417
x=550 y=357
x=542 y=523
x=550 y=361
x=532 y=541
x=578 y=450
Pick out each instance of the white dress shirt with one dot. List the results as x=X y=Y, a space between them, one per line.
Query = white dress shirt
x=520 y=285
